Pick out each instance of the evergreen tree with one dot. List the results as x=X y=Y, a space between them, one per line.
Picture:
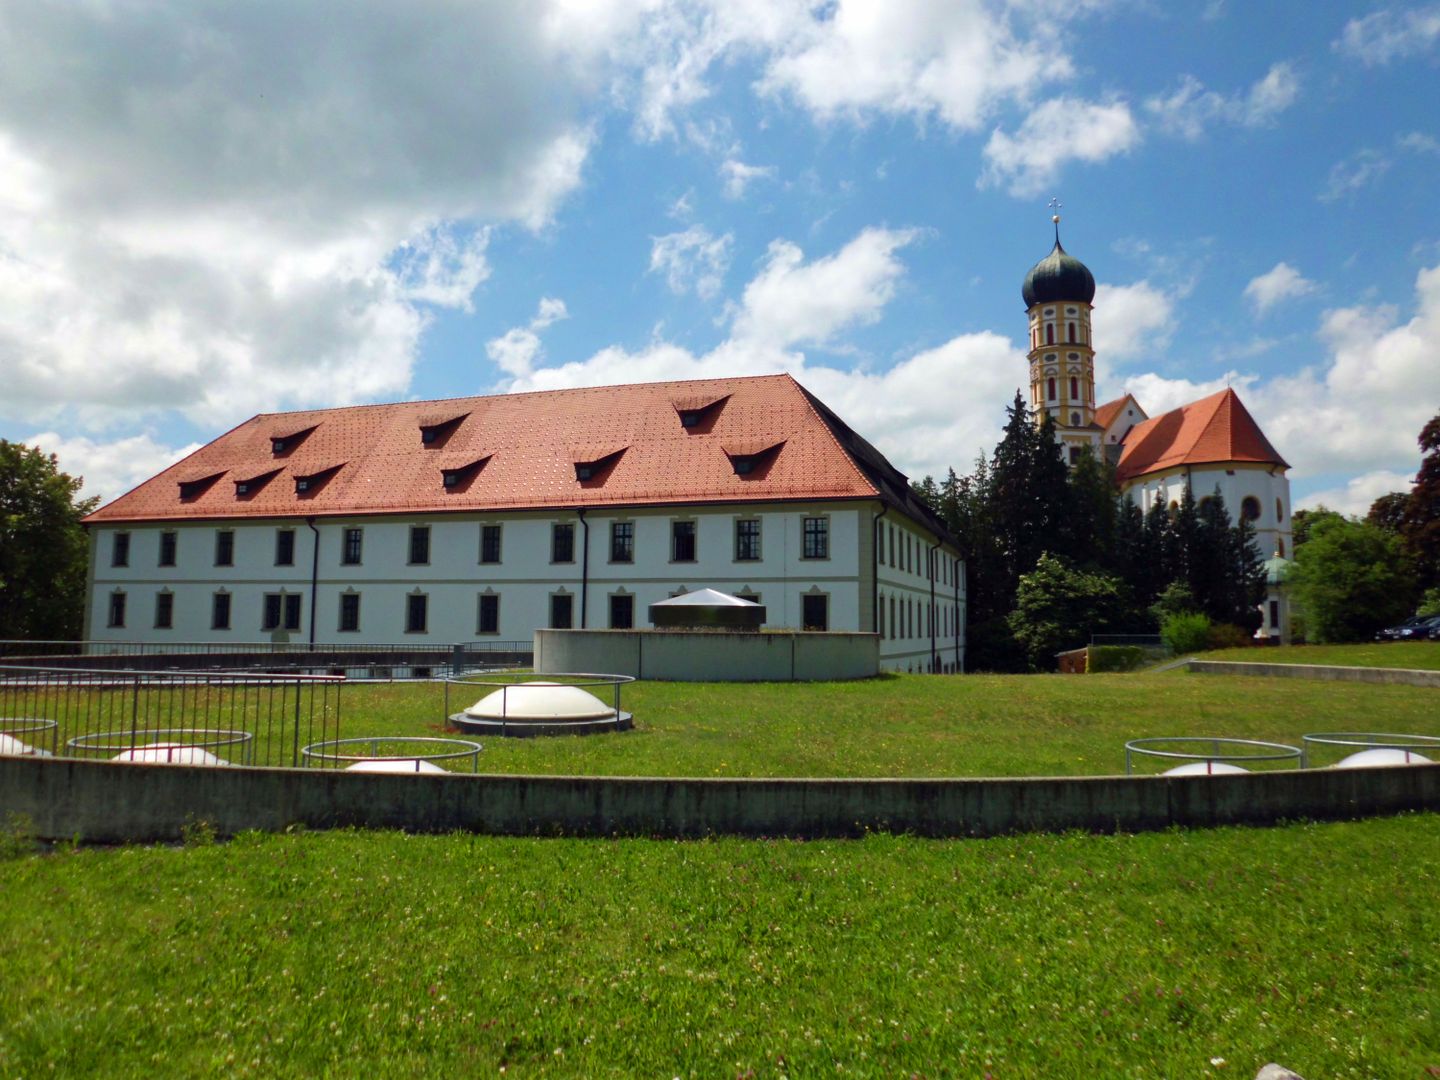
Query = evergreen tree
x=1094 y=507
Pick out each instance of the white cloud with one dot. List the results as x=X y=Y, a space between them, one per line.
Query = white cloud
x=1056 y=132
x=1356 y=494
x=1387 y=34
x=791 y=302
x=1419 y=142
x=692 y=258
x=1282 y=282
x=268 y=212
x=1158 y=395
x=516 y=350
x=1358 y=171
x=110 y=468
x=1191 y=108
x=738 y=176
x=1132 y=321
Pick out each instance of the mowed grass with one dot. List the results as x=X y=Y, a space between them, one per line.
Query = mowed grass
x=1418 y=655
x=1201 y=953
x=910 y=725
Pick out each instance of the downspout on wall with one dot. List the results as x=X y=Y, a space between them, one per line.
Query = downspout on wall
x=314 y=574
x=930 y=560
x=875 y=570
x=584 y=567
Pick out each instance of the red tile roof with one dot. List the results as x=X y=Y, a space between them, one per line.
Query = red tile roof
x=1105 y=414
x=530 y=445
x=1214 y=429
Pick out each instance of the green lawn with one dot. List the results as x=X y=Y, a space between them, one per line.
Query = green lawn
x=912 y=725
x=342 y=954
x=1420 y=655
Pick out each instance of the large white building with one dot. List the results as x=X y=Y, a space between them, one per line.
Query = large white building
x=1208 y=445
x=489 y=517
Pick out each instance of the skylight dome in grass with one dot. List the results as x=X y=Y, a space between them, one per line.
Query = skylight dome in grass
x=540 y=701
x=169 y=754
x=395 y=765
x=1382 y=756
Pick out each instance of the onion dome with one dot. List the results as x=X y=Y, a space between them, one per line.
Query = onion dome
x=1057 y=278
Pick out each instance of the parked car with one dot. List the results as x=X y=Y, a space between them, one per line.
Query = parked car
x=1416 y=628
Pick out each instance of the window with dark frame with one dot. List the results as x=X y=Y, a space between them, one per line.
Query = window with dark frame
x=292 y=611
x=117 y=610
x=489 y=619
x=622 y=611
x=351 y=546
x=682 y=541
x=164 y=610
x=416 y=613
x=271 y=617
x=284 y=547
x=814 y=612
x=120 y=549
x=220 y=611
x=562 y=542
x=349 y=612
x=816 y=538
x=168 y=545
x=489 y=543
x=622 y=541
x=282 y=612
x=225 y=548
x=419 y=545
x=562 y=611
x=747 y=540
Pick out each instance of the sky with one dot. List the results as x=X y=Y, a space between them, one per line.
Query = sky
x=211 y=211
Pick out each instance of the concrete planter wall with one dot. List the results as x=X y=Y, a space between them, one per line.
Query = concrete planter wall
x=710 y=656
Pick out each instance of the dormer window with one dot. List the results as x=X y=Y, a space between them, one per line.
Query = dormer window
x=699 y=413
x=193 y=487
x=282 y=443
x=435 y=430
x=594 y=464
x=249 y=485
x=456 y=474
x=308 y=483
x=748 y=458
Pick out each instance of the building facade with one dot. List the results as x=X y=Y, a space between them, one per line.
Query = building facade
x=487 y=518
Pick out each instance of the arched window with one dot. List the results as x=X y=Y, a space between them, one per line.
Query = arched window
x=1049 y=333
x=1250 y=508
x=1074 y=388
x=1074 y=419
x=1050 y=389
x=1280 y=546
x=1072 y=331
x=1279 y=511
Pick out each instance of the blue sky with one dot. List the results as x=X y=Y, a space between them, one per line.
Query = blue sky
x=210 y=213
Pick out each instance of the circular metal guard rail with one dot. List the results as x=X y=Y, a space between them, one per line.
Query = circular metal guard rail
x=15 y=726
x=582 y=679
x=1151 y=748
x=177 y=738
x=1366 y=740
x=327 y=751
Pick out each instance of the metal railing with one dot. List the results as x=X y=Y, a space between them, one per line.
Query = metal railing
x=96 y=710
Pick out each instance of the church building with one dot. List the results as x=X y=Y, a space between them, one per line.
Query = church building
x=1210 y=444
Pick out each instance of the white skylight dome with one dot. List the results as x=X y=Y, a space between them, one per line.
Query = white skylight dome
x=395 y=765
x=1383 y=755
x=1204 y=768
x=169 y=754
x=540 y=701
x=10 y=746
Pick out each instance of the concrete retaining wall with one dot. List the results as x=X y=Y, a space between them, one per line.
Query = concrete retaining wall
x=1399 y=676
x=710 y=656
x=108 y=803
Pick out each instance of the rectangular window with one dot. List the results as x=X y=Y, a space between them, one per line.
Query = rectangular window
x=562 y=542
x=489 y=543
x=489 y=621
x=622 y=611
x=292 y=611
x=562 y=611
x=351 y=546
x=220 y=611
x=622 y=541
x=349 y=612
x=225 y=548
x=284 y=547
x=419 y=545
x=117 y=610
x=167 y=549
x=814 y=612
x=747 y=540
x=682 y=541
x=271 y=618
x=164 y=610
x=817 y=538
x=416 y=610
x=120 y=549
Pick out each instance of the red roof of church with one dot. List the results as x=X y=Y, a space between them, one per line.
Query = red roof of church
x=641 y=444
x=1105 y=414
x=1214 y=429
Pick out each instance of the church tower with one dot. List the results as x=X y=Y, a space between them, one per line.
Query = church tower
x=1058 y=291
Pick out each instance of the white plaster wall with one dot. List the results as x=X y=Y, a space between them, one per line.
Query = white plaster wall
x=1236 y=481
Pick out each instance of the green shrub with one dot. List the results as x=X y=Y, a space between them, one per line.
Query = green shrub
x=1186 y=632
x=1228 y=636
x=1114 y=658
